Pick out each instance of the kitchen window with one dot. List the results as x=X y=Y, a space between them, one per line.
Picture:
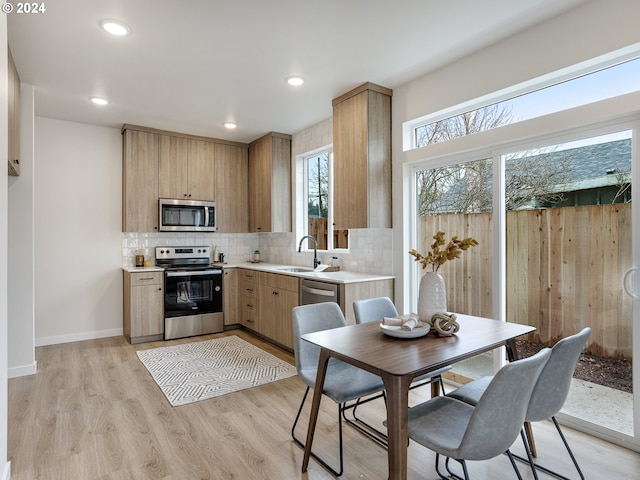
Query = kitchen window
x=317 y=201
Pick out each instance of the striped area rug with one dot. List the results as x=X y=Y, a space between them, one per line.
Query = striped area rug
x=200 y=370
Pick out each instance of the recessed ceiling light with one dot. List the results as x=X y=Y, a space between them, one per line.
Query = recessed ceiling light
x=99 y=100
x=295 y=80
x=230 y=125
x=115 y=27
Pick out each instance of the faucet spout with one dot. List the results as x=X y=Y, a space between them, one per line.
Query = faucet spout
x=316 y=262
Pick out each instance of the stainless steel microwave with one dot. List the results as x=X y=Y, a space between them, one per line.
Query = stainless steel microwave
x=178 y=215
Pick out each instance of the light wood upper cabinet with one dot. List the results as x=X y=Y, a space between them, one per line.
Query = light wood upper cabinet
x=362 y=158
x=13 y=99
x=187 y=168
x=139 y=181
x=232 y=188
x=160 y=164
x=201 y=170
x=270 y=183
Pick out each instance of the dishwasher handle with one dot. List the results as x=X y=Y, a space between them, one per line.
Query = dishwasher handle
x=318 y=291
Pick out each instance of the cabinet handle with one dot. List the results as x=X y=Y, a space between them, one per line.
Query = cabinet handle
x=17 y=161
x=160 y=289
x=250 y=290
x=249 y=321
x=146 y=278
x=275 y=293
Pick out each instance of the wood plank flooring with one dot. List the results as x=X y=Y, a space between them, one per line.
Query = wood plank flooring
x=93 y=412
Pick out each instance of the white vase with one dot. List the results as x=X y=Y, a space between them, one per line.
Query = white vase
x=432 y=296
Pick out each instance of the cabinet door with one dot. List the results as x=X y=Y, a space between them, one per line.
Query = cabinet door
x=173 y=164
x=147 y=317
x=13 y=98
x=232 y=189
x=140 y=182
x=260 y=186
x=350 y=162
x=230 y=298
x=201 y=172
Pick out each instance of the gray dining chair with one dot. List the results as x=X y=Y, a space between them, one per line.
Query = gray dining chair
x=462 y=432
x=549 y=393
x=343 y=383
x=375 y=309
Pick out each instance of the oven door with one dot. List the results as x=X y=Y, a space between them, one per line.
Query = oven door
x=192 y=292
x=192 y=303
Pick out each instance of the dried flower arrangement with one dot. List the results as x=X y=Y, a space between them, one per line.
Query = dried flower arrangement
x=437 y=256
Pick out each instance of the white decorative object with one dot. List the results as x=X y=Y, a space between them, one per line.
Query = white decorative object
x=432 y=297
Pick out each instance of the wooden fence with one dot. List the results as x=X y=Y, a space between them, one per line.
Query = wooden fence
x=564 y=271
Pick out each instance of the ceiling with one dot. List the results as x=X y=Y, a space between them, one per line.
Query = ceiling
x=190 y=66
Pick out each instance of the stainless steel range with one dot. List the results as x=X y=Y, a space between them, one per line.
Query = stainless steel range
x=192 y=292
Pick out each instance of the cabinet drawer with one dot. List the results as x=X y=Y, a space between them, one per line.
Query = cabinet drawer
x=285 y=282
x=147 y=278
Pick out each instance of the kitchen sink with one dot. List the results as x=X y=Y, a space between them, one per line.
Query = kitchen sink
x=296 y=269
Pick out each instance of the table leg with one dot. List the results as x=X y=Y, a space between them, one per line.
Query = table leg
x=315 y=406
x=397 y=388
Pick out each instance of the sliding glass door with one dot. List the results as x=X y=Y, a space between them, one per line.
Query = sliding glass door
x=555 y=224
x=569 y=235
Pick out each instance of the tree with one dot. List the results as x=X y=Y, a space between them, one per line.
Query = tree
x=531 y=178
x=318 y=184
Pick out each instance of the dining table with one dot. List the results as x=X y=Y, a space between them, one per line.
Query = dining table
x=398 y=361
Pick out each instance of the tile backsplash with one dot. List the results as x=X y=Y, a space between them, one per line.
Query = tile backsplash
x=370 y=249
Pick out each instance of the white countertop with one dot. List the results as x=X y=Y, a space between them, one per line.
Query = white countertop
x=142 y=269
x=331 y=277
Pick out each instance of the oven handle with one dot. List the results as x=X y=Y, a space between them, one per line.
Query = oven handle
x=190 y=273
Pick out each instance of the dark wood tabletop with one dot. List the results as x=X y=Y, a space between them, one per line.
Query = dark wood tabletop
x=398 y=361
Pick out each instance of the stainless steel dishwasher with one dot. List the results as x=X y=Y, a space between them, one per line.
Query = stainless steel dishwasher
x=312 y=291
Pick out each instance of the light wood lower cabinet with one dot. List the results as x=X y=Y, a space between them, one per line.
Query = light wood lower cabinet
x=248 y=294
x=266 y=300
x=277 y=296
x=143 y=306
x=230 y=297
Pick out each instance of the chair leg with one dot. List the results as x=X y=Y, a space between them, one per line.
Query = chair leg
x=515 y=467
x=529 y=455
x=544 y=469
x=362 y=426
x=337 y=473
x=532 y=444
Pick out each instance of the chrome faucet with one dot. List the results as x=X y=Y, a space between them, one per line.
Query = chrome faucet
x=316 y=262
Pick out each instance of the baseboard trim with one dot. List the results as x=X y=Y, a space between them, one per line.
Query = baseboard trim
x=23 y=371
x=78 y=337
x=6 y=475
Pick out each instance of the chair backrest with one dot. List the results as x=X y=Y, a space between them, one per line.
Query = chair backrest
x=553 y=385
x=372 y=309
x=499 y=415
x=313 y=318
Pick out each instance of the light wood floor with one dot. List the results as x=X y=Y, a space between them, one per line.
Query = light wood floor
x=94 y=412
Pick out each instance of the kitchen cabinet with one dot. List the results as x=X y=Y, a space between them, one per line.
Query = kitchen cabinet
x=266 y=303
x=13 y=101
x=232 y=188
x=186 y=168
x=350 y=292
x=230 y=296
x=248 y=285
x=277 y=296
x=362 y=158
x=160 y=164
x=143 y=306
x=139 y=181
x=270 y=183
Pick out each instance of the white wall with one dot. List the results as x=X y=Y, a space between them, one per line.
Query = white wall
x=21 y=328
x=590 y=30
x=78 y=211
x=5 y=472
